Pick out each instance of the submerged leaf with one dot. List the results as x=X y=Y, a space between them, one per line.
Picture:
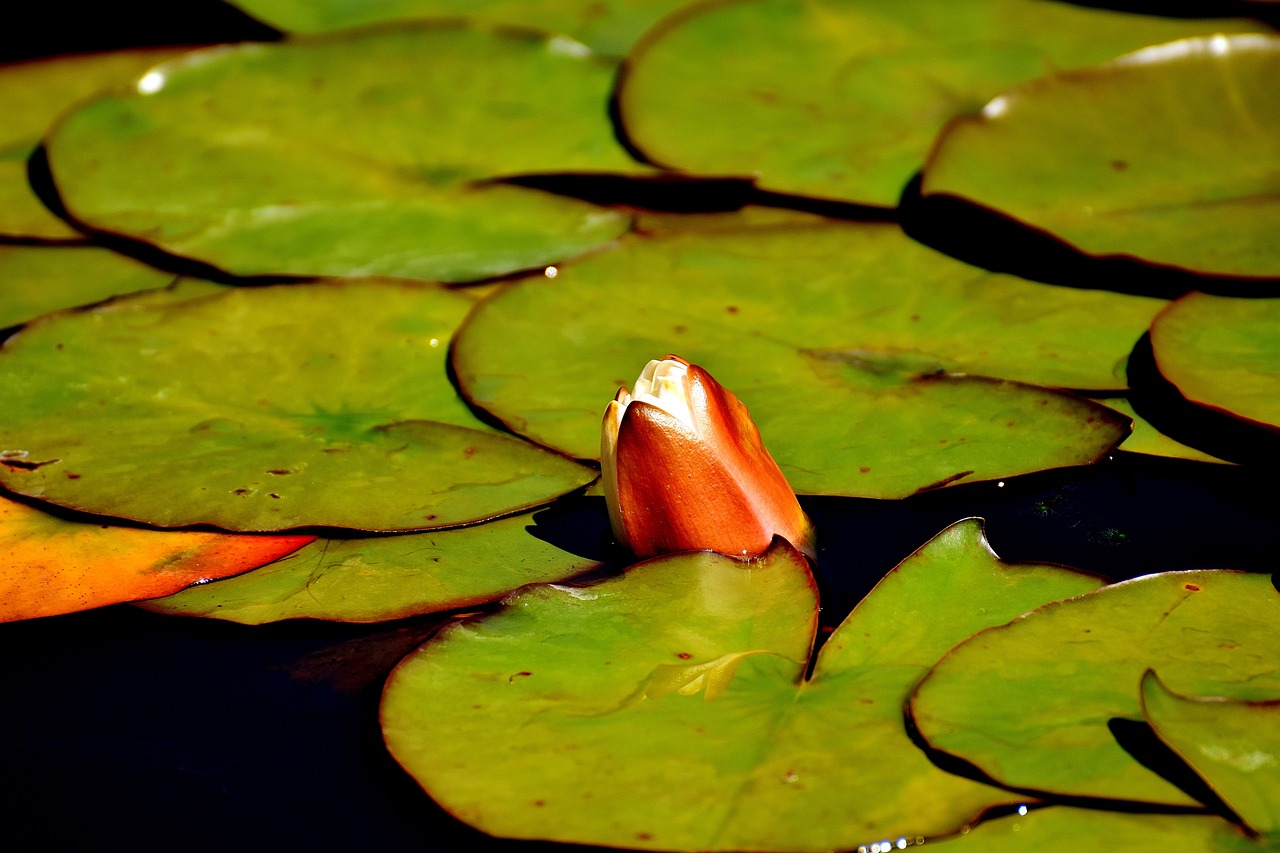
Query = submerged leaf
x=682 y=684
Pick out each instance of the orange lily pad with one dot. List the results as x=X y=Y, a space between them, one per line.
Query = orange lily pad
x=51 y=565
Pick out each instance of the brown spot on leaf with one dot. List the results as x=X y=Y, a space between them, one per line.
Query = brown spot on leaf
x=1191 y=587
x=1119 y=165
x=683 y=655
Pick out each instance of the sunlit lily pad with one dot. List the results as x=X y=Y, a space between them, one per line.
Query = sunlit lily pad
x=389 y=577
x=1169 y=154
x=1069 y=830
x=353 y=154
x=50 y=565
x=1029 y=703
x=32 y=94
x=606 y=26
x=667 y=708
x=843 y=98
x=35 y=280
x=1223 y=353
x=262 y=409
x=835 y=337
x=1234 y=746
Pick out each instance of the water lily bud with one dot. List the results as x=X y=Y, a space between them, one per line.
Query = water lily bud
x=684 y=469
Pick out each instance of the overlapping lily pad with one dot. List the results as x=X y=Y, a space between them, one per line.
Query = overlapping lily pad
x=1223 y=353
x=1168 y=154
x=843 y=98
x=1234 y=746
x=1030 y=703
x=1149 y=440
x=842 y=339
x=35 y=280
x=1068 y=830
x=681 y=684
x=262 y=409
x=361 y=153
x=50 y=565
x=32 y=95
x=606 y=26
x=390 y=577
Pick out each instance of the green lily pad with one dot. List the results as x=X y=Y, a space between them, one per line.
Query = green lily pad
x=606 y=26
x=35 y=280
x=262 y=409
x=32 y=94
x=843 y=98
x=392 y=577
x=364 y=153
x=1029 y=703
x=1234 y=746
x=1223 y=353
x=1149 y=440
x=1060 y=829
x=1168 y=155
x=834 y=336
x=681 y=686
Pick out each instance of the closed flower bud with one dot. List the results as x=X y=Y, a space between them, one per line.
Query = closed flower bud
x=684 y=469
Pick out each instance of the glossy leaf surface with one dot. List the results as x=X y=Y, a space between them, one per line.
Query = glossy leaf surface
x=35 y=280
x=1223 y=353
x=843 y=98
x=1169 y=154
x=1068 y=830
x=50 y=565
x=1233 y=745
x=1029 y=703
x=32 y=94
x=681 y=684
x=262 y=409
x=377 y=579
x=606 y=26
x=353 y=154
x=832 y=336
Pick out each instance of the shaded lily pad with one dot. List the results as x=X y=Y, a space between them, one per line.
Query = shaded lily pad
x=1223 y=353
x=361 y=153
x=1149 y=440
x=1234 y=746
x=606 y=26
x=32 y=94
x=1168 y=154
x=1060 y=829
x=262 y=409
x=836 y=337
x=35 y=280
x=843 y=98
x=681 y=683
x=50 y=565
x=1030 y=703
x=391 y=577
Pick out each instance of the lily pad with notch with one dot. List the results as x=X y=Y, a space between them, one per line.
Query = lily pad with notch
x=263 y=409
x=683 y=683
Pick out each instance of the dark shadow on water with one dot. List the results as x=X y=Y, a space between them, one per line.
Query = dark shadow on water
x=579 y=524
x=1160 y=403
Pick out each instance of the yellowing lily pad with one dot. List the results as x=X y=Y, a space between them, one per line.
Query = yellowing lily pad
x=50 y=565
x=1149 y=440
x=35 y=280
x=1168 y=154
x=681 y=685
x=1029 y=703
x=1223 y=353
x=390 y=577
x=32 y=94
x=262 y=409
x=1233 y=745
x=364 y=153
x=845 y=341
x=1060 y=829
x=843 y=98
x=606 y=26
